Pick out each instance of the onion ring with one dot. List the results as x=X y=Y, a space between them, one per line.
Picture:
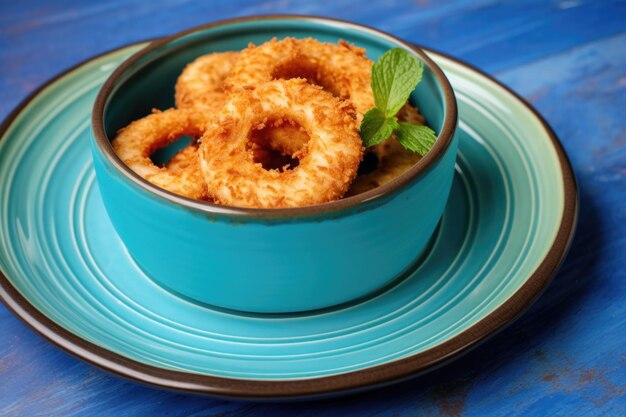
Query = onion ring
x=342 y=69
x=202 y=81
x=201 y=84
x=333 y=154
x=135 y=144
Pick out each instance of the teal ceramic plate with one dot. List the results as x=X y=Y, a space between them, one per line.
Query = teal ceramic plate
x=505 y=230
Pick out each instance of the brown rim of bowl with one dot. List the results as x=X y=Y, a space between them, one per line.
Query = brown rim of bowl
x=376 y=376
x=341 y=206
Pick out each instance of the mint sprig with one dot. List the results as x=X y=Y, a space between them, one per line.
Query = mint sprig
x=394 y=76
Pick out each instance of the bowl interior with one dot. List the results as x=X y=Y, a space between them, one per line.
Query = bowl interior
x=149 y=82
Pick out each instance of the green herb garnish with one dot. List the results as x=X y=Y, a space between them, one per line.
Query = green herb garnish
x=394 y=76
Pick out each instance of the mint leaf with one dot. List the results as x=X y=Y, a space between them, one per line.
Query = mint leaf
x=415 y=137
x=394 y=77
x=375 y=127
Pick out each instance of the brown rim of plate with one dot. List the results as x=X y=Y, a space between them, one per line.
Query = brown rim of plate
x=336 y=208
x=323 y=386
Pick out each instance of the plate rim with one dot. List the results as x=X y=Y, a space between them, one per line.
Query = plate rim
x=366 y=378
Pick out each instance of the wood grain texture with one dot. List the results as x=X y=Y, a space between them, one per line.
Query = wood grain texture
x=566 y=356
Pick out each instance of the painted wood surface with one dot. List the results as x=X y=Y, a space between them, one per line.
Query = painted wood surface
x=566 y=356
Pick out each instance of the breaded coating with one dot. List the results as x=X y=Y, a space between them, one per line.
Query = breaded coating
x=326 y=169
x=342 y=69
x=135 y=144
x=201 y=84
x=202 y=81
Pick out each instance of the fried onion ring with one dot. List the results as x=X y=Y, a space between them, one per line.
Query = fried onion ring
x=135 y=144
x=202 y=81
x=324 y=174
x=201 y=84
x=342 y=69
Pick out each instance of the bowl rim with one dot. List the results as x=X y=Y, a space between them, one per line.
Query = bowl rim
x=343 y=205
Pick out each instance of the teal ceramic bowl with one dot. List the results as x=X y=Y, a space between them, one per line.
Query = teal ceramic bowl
x=269 y=260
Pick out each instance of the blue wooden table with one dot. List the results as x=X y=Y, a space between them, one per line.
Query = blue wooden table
x=566 y=356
